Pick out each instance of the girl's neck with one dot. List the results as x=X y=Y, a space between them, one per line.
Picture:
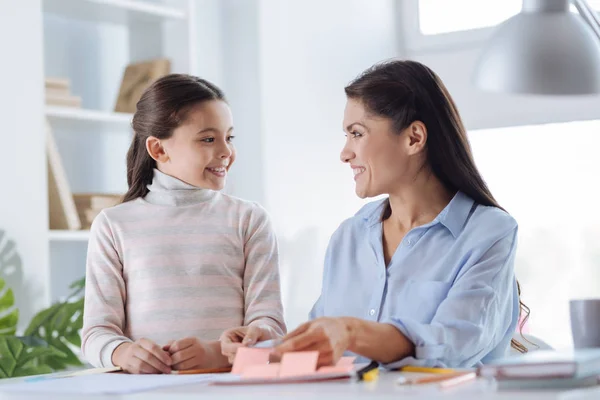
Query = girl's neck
x=167 y=190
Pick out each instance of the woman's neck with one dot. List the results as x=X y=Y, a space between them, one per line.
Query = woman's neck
x=419 y=203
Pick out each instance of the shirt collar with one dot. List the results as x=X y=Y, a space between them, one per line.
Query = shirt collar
x=454 y=216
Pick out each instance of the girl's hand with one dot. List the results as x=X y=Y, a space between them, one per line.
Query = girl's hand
x=233 y=339
x=142 y=357
x=190 y=353
x=329 y=336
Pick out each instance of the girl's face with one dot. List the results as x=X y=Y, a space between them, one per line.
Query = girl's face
x=200 y=151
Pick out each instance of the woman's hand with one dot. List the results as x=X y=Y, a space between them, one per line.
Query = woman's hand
x=233 y=339
x=329 y=336
x=142 y=357
x=191 y=353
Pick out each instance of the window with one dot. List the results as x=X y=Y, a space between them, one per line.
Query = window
x=443 y=16
x=546 y=177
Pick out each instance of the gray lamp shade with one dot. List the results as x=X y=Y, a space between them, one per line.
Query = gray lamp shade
x=547 y=53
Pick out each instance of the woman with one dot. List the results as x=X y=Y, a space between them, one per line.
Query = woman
x=424 y=276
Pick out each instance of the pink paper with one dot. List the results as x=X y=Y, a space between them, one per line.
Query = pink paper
x=345 y=361
x=336 y=369
x=298 y=363
x=249 y=357
x=269 y=371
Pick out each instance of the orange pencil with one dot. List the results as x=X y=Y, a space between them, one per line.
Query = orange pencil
x=446 y=380
x=202 y=371
x=458 y=380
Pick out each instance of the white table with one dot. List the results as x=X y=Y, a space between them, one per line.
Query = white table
x=384 y=388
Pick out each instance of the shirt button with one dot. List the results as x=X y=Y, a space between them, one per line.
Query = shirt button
x=372 y=312
x=409 y=242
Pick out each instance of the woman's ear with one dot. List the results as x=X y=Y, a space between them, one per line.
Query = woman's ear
x=156 y=150
x=416 y=134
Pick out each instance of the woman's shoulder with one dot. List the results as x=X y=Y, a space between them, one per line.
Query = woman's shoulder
x=491 y=220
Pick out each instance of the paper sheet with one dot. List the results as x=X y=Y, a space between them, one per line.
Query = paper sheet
x=111 y=383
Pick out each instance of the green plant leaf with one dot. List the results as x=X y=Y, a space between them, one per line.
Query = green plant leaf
x=10 y=349
x=36 y=370
x=20 y=359
x=31 y=353
x=41 y=318
x=59 y=326
x=78 y=284
x=8 y=312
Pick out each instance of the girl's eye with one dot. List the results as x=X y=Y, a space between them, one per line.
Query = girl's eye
x=208 y=140
x=355 y=134
x=230 y=138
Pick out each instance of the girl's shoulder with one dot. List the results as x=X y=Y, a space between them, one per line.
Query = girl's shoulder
x=243 y=205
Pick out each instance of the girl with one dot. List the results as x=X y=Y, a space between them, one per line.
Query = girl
x=178 y=262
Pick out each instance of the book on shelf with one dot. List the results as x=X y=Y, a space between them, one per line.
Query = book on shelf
x=58 y=93
x=89 y=205
x=63 y=101
x=61 y=206
x=61 y=84
x=136 y=78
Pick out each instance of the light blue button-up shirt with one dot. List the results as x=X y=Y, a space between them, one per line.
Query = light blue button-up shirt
x=450 y=286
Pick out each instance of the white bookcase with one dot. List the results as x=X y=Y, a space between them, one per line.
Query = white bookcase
x=90 y=42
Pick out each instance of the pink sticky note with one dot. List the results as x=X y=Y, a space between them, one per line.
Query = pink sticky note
x=269 y=371
x=298 y=363
x=245 y=357
x=336 y=369
x=345 y=361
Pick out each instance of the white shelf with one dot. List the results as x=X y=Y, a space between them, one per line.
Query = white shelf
x=113 y=11
x=68 y=236
x=79 y=114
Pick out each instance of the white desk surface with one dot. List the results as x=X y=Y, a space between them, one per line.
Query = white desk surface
x=384 y=388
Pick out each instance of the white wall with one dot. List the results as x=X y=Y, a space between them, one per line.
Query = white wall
x=309 y=50
x=23 y=216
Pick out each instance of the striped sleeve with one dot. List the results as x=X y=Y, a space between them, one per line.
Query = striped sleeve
x=262 y=295
x=105 y=294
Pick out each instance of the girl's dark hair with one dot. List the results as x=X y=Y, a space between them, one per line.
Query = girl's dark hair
x=408 y=91
x=162 y=108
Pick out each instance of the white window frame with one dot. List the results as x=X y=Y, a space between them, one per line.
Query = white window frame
x=416 y=42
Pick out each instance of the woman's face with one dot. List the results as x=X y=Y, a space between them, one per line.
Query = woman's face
x=381 y=160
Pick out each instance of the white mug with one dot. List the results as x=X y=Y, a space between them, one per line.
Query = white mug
x=585 y=322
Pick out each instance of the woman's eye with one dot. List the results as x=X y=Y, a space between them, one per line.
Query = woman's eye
x=230 y=138
x=208 y=140
x=356 y=134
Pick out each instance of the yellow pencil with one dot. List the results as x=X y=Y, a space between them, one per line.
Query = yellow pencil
x=411 y=368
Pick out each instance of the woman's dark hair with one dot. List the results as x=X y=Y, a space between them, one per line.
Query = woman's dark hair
x=408 y=91
x=162 y=108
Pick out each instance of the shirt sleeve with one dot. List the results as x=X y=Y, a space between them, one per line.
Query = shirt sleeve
x=474 y=317
x=261 y=274
x=105 y=294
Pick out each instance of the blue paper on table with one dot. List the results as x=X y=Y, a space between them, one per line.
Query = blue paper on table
x=580 y=363
x=110 y=383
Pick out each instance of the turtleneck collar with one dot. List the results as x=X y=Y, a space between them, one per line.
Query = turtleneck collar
x=166 y=190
